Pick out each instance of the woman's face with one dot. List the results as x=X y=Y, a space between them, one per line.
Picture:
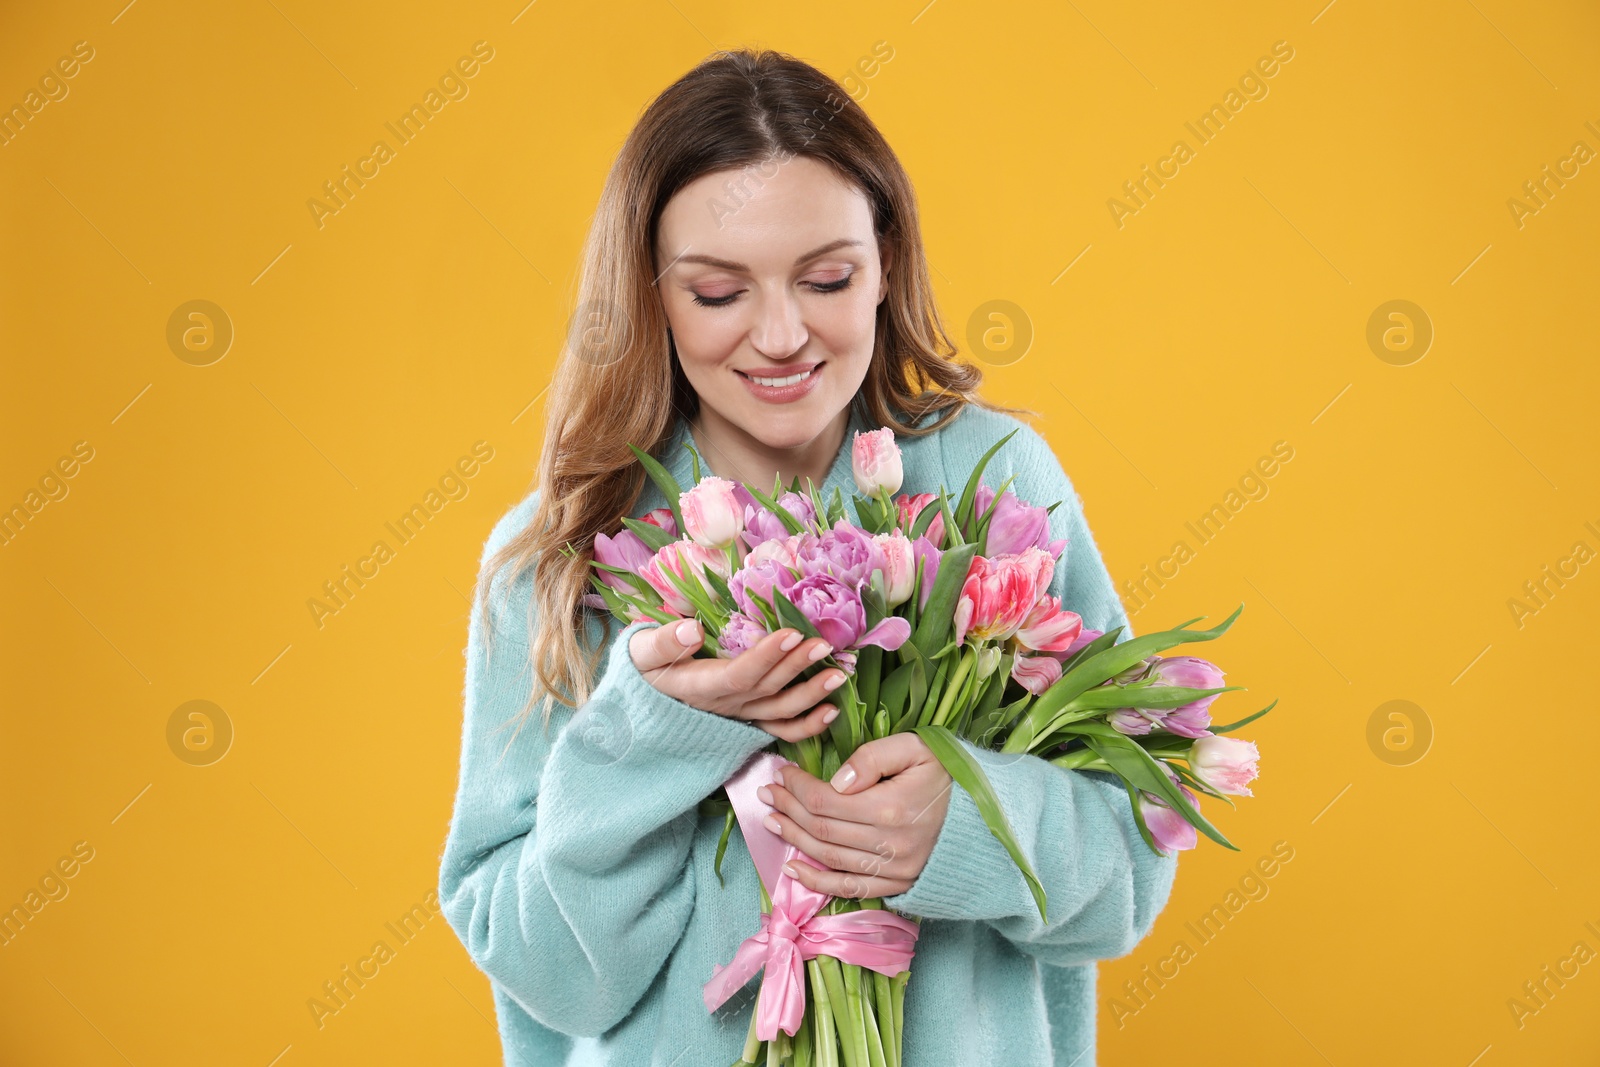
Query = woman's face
x=769 y=281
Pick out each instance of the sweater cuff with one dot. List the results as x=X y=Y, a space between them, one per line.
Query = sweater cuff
x=968 y=869
x=665 y=723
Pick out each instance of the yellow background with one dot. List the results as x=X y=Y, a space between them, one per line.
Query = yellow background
x=371 y=353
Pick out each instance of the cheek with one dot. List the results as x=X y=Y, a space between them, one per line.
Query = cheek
x=704 y=340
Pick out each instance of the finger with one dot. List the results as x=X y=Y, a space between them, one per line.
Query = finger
x=879 y=759
x=773 y=662
x=788 y=702
x=845 y=884
x=654 y=647
x=801 y=727
x=851 y=847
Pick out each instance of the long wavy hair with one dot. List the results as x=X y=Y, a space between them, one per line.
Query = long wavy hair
x=618 y=379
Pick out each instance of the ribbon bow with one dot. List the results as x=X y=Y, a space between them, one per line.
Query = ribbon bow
x=793 y=932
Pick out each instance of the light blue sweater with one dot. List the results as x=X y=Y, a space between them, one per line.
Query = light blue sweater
x=578 y=871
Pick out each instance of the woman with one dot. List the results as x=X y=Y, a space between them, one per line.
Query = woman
x=754 y=285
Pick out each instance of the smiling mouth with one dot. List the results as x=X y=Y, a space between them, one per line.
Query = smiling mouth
x=787 y=380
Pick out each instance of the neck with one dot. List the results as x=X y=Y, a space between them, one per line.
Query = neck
x=732 y=453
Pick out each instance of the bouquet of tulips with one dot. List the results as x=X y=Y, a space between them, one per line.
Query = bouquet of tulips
x=937 y=610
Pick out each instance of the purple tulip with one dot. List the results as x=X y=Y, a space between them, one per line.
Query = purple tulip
x=847 y=552
x=764 y=525
x=1135 y=722
x=1190 y=672
x=739 y=635
x=626 y=550
x=928 y=553
x=757 y=580
x=1016 y=525
x=1170 y=830
x=835 y=609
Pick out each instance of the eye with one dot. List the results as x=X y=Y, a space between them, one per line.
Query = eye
x=714 y=301
x=833 y=287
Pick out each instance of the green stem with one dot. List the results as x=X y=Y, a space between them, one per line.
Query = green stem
x=874 y=1031
x=849 y=1040
x=956 y=686
x=898 y=987
x=858 y=1019
x=827 y=1046
x=883 y=1008
x=752 y=1043
x=1082 y=759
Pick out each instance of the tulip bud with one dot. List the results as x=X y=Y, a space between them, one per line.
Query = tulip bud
x=875 y=462
x=1226 y=764
x=711 y=512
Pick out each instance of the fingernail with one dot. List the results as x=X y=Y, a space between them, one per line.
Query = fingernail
x=829 y=716
x=790 y=870
x=771 y=823
x=689 y=632
x=834 y=682
x=820 y=651
x=793 y=639
x=843 y=777
x=765 y=794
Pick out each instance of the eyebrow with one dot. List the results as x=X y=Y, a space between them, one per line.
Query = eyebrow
x=728 y=264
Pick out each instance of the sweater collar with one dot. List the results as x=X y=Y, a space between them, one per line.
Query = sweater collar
x=841 y=475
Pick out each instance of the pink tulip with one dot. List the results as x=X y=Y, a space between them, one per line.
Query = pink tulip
x=1036 y=673
x=1000 y=592
x=875 y=462
x=900 y=566
x=1049 y=628
x=688 y=561
x=711 y=512
x=662 y=517
x=1171 y=831
x=910 y=507
x=1226 y=764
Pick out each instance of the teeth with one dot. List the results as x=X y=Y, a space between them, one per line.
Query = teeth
x=783 y=381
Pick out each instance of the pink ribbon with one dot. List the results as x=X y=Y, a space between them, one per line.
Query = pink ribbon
x=793 y=932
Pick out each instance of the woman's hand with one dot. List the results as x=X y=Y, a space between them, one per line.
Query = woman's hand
x=876 y=835
x=750 y=686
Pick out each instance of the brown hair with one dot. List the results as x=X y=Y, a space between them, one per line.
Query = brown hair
x=618 y=380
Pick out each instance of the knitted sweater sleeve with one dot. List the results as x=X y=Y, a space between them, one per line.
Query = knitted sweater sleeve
x=1104 y=885
x=565 y=871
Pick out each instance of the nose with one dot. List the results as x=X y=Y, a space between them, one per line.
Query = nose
x=780 y=329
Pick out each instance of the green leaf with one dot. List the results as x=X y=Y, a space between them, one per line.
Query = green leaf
x=789 y=615
x=790 y=523
x=933 y=625
x=924 y=519
x=968 y=773
x=1100 y=667
x=695 y=456
x=1151 y=697
x=1242 y=722
x=722 y=846
x=968 y=494
x=1135 y=765
x=664 y=481
x=653 y=536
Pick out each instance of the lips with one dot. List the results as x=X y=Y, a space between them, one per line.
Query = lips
x=784 y=394
x=780 y=372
